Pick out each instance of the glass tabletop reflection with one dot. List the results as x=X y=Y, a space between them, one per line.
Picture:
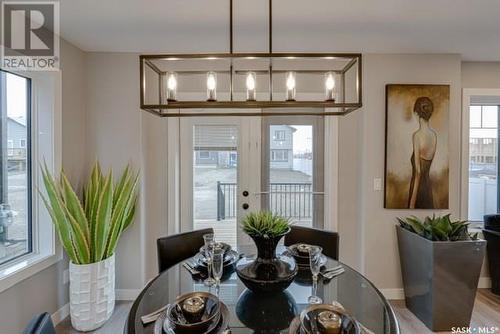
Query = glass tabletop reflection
x=251 y=313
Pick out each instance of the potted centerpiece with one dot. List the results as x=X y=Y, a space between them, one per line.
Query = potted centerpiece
x=440 y=263
x=268 y=272
x=89 y=231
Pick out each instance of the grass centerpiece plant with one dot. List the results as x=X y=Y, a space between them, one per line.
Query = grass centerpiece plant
x=268 y=272
x=89 y=230
x=440 y=264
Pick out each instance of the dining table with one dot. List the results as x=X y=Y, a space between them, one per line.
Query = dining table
x=268 y=313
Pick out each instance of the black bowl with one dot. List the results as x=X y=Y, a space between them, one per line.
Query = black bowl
x=299 y=254
x=267 y=276
x=348 y=325
x=181 y=322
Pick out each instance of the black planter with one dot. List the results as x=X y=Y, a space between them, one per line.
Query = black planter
x=267 y=273
x=266 y=313
x=492 y=222
x=491 y=233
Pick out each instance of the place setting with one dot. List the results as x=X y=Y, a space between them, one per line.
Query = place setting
x=310 y=259
x=194 y=313
x=201 y=264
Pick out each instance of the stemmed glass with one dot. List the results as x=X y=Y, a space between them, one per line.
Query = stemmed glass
x=209 y=249
x=315 y=263
x=218 y=266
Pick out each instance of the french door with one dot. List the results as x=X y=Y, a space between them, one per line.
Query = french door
x=230 y=166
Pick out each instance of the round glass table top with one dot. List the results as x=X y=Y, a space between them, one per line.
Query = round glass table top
x=251 y=313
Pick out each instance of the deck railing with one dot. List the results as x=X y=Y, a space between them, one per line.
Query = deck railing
x=292 y=200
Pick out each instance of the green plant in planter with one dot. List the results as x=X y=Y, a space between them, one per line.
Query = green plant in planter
x=265 y=224
x=438 y=228
x=89 y=230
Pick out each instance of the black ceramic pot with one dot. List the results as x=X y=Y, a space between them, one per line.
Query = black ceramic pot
x=267 y=273
x=266 y=313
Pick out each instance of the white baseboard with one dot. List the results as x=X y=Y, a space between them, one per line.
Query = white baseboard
x=393 y=294
x=127 y=294
x=484 y=283
x=397 y=294
x=60 y=314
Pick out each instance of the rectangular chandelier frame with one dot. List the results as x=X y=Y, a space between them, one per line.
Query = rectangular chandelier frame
x=271 y=104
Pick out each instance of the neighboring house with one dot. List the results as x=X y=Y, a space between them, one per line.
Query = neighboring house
x=216 y=146
x=16 y=144
x=281 y=146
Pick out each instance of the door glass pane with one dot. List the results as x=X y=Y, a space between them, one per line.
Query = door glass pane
x=291 y=172
x=15 y=197
x=215 y=163
x=483 y=162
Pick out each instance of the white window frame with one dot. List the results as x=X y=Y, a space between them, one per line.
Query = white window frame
x=467 y=93
x=45 y=146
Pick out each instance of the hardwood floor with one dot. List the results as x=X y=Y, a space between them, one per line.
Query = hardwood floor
x=486 y=314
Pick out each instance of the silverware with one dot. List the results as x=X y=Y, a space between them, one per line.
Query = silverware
x=191 y=270
x=332 y=269
x=153 y=316
x=331 y=274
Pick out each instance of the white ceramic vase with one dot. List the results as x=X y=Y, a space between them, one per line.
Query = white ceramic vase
x=91 y=293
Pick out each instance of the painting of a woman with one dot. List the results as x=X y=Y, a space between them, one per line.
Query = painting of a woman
x=416 y=153
x=424 y=147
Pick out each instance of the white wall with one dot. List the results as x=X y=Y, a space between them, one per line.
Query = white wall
x=481 y=75
x=45 y=291
x=380 y=252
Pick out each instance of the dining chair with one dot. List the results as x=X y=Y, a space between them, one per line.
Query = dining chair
x=327 y=240
x=175 y=248
x=40 y=324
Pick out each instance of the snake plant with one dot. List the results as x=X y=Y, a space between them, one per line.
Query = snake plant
x=89 y=230
x=265 y=224
x=438 y=228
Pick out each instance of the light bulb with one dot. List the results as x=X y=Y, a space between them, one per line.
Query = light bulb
x=211 y=86
x=290 y=86
x=169 y=82
x=329 y=86
x=172 y=81
x=251 y=83
x=290 y=80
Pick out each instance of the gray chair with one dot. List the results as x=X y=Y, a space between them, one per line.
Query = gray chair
x=40 y=324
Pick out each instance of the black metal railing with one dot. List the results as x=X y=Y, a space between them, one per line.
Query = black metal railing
x=293 y=200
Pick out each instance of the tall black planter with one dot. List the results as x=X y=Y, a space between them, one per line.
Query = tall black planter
x=440 y=278
x=267 y=273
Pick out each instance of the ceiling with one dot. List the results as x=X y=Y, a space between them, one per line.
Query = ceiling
x=467 y=27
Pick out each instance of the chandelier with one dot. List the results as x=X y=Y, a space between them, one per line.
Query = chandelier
x=250 y=84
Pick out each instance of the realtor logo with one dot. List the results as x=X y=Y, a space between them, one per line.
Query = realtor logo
x=30 y=35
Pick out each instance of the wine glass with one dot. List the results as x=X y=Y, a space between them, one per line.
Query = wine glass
x=209 y=248
x=218 y=266
x=315 y=263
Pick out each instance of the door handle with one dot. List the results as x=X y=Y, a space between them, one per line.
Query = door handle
x=245 y=206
